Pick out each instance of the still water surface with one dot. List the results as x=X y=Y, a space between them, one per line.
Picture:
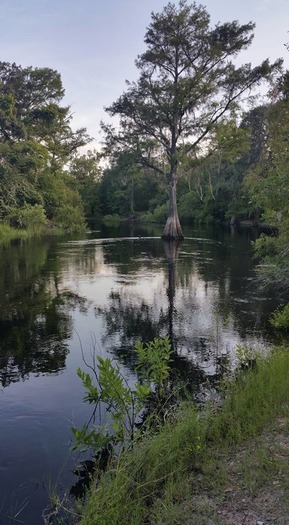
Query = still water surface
x=106 y=291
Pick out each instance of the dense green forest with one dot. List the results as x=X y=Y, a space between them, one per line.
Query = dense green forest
x=187 y=124
x=37 y=145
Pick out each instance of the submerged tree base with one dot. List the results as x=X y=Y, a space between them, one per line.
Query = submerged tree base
x=173 y=237
x=173 y=230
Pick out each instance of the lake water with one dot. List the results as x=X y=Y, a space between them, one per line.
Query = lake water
x=104 y=292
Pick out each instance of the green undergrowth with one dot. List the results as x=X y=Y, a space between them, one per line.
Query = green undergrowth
x=280 y=318
x=7 y=233
x=152 y=483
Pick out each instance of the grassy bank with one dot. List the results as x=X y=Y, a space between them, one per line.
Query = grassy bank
x=197 y=467
x=7 y=233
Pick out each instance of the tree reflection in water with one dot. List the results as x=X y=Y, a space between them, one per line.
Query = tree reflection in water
x=130 y=318
x=202 y=294
x=172 y=249
x=35 y=317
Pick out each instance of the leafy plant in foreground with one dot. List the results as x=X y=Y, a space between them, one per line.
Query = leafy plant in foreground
x=123 y=403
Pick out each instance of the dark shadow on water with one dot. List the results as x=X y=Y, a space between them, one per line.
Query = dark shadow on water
x=172 y=249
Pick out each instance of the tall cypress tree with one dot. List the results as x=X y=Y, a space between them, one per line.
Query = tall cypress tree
x=187 y=83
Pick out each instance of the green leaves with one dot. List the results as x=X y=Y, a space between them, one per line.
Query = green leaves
x=123 y=403
x=280 y=318
x=36 y=143
x=153 y=361
x=113 y=389
x=92 y=395
x=95 y=440
x=268 y=185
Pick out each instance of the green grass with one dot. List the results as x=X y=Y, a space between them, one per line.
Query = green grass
x=252 y=401
x=7 y=233
x=157 y=481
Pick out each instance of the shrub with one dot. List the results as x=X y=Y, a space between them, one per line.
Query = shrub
x=69 y=218
x=111 y=220
x=159 y=215
x=124 y=403
x=29 y=217
x=280 y=318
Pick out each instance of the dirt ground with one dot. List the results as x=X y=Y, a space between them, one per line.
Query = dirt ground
x=249 y=486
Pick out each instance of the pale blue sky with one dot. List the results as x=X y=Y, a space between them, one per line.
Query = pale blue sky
x=93 y=43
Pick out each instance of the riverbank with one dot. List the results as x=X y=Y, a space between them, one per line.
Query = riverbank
x=226 y=465
x=7 y=233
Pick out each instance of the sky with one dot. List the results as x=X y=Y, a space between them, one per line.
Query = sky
x=94 y=43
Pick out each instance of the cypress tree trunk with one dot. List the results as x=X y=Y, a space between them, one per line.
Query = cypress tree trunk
x=173 y=230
